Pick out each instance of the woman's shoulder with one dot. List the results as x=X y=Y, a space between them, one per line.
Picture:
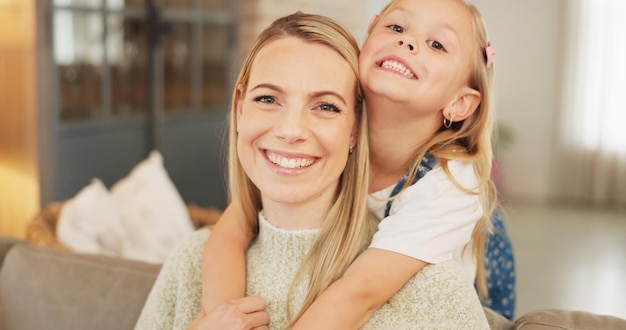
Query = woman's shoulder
x=193 y=242
x=186 y=259
x=439 y=297
x=175 y=297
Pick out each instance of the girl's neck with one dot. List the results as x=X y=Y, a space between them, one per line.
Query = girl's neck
x=395 y=134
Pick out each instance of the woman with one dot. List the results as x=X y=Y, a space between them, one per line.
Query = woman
x=298 y=166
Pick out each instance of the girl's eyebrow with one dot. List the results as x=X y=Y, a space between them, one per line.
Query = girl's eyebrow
x=444 y=26
x=448 y=30
x=400 y=9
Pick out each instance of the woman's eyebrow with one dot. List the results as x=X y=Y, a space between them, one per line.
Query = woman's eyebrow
x=332 y=93
x=311 y=95
x=269 y=86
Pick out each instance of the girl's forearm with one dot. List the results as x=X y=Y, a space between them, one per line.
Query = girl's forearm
x=371 y=280
x=223 y=260
x=344 y=305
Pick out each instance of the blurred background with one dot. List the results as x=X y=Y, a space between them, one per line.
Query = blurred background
x=89 y=87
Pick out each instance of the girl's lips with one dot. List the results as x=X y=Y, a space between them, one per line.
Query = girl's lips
x=397 y=65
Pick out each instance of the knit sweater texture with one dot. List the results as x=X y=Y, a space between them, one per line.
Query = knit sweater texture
x=438 y=297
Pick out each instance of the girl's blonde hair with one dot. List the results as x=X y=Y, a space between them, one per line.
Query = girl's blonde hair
x=345 y=230
x=469 y=140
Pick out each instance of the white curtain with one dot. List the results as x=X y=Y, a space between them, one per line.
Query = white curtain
x=590 y=164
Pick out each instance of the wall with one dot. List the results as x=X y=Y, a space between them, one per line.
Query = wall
x=255 y=15
x=527 y=38
x=19 y=193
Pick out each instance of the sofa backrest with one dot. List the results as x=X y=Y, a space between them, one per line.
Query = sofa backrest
x=43 y=288
x=6 y=243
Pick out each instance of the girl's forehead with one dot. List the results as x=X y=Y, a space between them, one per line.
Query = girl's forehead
x=448 y=10
x=434 y=16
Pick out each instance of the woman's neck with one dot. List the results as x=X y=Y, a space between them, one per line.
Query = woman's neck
x=296 y=216
x=395 y=135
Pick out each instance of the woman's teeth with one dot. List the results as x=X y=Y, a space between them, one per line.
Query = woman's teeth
x=396 y=66
x=289 y=162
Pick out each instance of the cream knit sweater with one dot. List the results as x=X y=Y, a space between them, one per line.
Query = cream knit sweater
x=439 y=297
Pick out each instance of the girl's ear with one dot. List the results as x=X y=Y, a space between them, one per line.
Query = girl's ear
x=372 y=21
x=238 y=103
x=464 y=105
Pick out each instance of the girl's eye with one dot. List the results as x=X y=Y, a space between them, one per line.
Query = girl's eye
x=265 y=99
x=395 y=28
x=329 y=107
x=436 y=44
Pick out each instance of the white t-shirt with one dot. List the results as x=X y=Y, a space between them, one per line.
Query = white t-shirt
x=431 y=220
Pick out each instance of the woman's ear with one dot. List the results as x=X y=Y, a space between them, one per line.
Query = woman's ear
x=354 y=135
x=238 y=103
x=464 y=105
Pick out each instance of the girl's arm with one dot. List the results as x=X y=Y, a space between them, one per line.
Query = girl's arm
x=223 y=259
x=372 y=279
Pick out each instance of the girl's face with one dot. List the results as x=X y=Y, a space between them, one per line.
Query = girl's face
x=418 y=53
x=296 y=122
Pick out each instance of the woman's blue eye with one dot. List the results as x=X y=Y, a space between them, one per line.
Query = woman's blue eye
x=265 y=99
x=436 y=44
x=395 y=28
x=329 y=107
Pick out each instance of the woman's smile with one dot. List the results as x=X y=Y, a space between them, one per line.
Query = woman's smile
x=289 y=160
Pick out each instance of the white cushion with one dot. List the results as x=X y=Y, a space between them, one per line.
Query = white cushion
x=154 y=215
x=143 y=217
x=90 y=222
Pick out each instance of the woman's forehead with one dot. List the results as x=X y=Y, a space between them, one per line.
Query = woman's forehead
x=291 y=61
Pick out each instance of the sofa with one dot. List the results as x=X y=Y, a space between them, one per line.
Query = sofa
x=49 y=288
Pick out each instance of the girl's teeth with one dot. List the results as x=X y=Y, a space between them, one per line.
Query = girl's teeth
x=393 y=65
x=289 y=162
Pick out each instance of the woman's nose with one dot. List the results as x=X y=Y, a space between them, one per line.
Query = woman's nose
x=292 y=126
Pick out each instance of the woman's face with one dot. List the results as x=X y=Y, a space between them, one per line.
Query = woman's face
x=296 y=123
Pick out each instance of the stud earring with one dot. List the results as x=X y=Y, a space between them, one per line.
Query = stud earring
x=351 y=149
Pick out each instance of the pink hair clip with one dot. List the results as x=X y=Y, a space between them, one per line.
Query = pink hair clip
x=490 y=53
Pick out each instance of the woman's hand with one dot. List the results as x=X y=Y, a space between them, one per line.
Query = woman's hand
x=246 y=313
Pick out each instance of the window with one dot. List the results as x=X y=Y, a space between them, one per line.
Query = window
x=596 y=76
x=590 y=163
x=106 y=51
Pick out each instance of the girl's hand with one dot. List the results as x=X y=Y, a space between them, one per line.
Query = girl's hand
x=246 y=313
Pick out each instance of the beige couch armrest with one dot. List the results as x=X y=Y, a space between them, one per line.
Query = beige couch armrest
x=497 y=321
x=553 y=319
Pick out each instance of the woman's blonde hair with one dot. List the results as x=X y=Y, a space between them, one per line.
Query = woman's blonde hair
x=345 y=230
x=469 y=140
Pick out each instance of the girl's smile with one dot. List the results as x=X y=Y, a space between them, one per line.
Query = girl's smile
x=398 y=66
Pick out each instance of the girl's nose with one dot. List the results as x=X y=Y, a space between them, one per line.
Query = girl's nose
x=405 y=41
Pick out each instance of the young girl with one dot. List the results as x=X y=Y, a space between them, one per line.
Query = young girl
x=426 y=70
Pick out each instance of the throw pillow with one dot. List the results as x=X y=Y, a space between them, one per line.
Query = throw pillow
x=153 y=213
